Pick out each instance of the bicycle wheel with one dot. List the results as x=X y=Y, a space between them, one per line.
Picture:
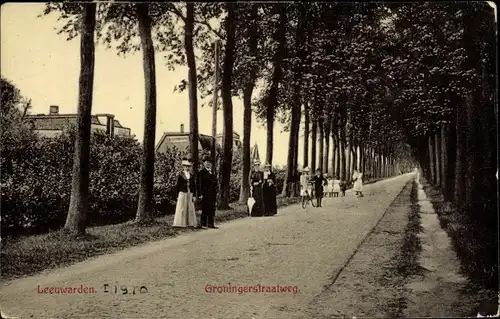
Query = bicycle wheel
x=304 y=201
x=312 y=201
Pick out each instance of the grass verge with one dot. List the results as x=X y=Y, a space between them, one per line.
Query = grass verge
x=30 y=255
x=476 y=249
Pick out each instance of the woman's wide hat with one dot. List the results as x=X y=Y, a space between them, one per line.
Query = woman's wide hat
x=186 y=162
x=305 y=169
x=267 y=164
x=256 y=162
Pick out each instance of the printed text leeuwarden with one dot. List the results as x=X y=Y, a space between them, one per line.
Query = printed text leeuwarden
x=82 y=289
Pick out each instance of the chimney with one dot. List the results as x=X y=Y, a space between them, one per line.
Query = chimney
x=54 y=109
x=182 y=128
x=110 y=125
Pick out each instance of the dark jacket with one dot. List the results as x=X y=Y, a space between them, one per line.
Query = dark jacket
x=270 y=178
x=257 y=177
x=182 y=183
x=207 y=184
x=319 y=182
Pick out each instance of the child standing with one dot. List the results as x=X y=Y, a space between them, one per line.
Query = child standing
x=336 y=187
x=343 y=187
x=329 y=186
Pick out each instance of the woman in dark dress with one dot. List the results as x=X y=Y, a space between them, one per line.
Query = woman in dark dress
x=319 y=182
x=269 y=189
x=257 y=181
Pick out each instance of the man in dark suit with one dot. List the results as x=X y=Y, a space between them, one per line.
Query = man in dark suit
x=207 y=191
x=319 y=181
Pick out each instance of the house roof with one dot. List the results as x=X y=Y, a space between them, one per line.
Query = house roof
x=59 y=121
x=205 y=140
x=235 y=135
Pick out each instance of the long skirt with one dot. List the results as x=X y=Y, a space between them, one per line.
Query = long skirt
x=258 y=207
x=358 y=185
x=270 y=205
x=318 y=192
x=184 y=211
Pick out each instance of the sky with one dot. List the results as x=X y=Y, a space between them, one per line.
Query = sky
x=45 y=67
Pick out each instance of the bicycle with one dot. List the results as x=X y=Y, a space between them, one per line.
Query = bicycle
x=308 y=198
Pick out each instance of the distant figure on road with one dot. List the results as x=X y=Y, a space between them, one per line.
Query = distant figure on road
x=269 y=191
x=343 y=187
x=207 y=192
x=256 y=190
x=357 y=177
x=336 y=187
x=329 y=186
x=319 y=182
x=185 y=215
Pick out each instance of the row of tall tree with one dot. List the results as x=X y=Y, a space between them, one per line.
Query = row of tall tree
x=372 y=80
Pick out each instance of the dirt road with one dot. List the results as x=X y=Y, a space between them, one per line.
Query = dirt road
x=298 y=248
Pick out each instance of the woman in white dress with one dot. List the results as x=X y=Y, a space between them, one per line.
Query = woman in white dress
x=305 y=187
x=357 y=177
x=185 y=215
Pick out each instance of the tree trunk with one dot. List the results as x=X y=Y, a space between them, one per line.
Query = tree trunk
x=296 y=112
x=431 y=160
x=327 y=149
x=489 y=126
x=460 y=159
x=470 y=177
x=343 y=163
x=348 y=159
x=444 y=160
x=451 y=153
x=296 y=189
x=145 y=206
x=362 y=159
x=306 y=137
x=192 y=85
x=437 y=159
x=334 y=151
x=353 y=156
x=227 y=106
x=270 y=134
x=247 y=109
x=76 y=219
x=314 y=138
x=381 y=164
x=321 y=144
x=337 y=152
x=247 y=128
x=294 y=126
x=272 y=101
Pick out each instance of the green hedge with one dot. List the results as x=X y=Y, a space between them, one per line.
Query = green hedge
x=36 y=188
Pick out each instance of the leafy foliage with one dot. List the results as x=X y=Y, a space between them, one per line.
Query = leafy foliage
x=35 y=195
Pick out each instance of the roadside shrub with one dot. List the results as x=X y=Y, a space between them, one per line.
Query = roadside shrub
x=36 y=189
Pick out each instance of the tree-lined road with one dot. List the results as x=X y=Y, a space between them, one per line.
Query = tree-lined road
x=297 y=247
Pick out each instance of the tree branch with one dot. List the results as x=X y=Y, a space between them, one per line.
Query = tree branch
x=172 y=8
x=205 y=23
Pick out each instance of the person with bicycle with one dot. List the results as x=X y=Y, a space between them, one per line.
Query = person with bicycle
x=305 y=186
